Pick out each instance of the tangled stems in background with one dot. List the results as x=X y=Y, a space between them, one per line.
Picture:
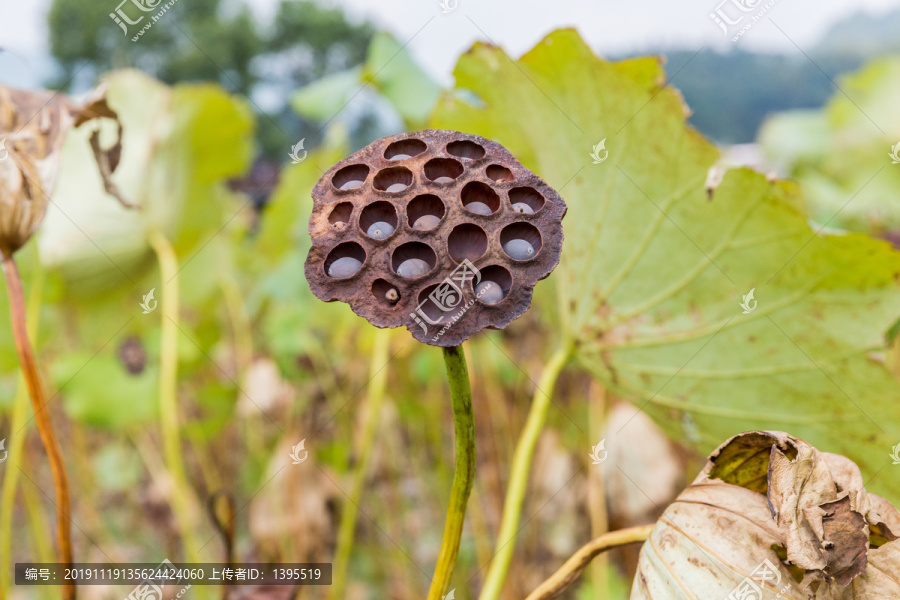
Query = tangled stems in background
x=572 y=568
x=518 y=480
x=377 y=384
x=41 y=416
x=464 y=477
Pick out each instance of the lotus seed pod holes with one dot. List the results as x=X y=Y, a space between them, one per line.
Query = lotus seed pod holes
x=439 y=231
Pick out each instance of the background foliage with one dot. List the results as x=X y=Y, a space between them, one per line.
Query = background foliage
x=647 y=295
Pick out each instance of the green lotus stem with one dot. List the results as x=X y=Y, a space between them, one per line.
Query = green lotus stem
x=377 y=383
x=11 y=483
x=16 y=443
x=33 y=500
x=240 y=321
x=518 y=480
x=464 y=477
x=41 y=416
x=168 y=392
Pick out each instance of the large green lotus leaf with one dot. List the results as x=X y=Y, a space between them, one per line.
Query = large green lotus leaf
x=654 y=268
x=841 y=153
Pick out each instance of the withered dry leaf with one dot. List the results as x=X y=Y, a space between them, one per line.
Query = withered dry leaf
x=33 y=127
x=643 y=474
x=647 y=460
x=107 y=161
x=772 y=515
x=268 y=389
x=291 y=519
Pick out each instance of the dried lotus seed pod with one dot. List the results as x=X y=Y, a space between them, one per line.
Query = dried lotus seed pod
x=442 y=232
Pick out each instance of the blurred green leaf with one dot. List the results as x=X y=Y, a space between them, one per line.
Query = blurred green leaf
x=390 y=70
x=320 y=100
x=117 y=467
x=98 y=391
x=399 y=79
x=284 y=221
x=840 y=154
x=654 y=270
x=294 y=322
x=217 y=400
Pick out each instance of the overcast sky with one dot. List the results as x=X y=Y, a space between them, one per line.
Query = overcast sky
x=437 y=39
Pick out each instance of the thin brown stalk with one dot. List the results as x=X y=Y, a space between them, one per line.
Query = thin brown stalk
x=572 y=568
x=41 y=416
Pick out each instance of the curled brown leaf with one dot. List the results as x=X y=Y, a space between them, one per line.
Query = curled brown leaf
x=772 y=514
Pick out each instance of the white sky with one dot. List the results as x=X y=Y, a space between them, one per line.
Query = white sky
x=611 y=27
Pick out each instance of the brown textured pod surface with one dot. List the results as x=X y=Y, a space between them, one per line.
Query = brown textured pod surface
x=406 y=229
